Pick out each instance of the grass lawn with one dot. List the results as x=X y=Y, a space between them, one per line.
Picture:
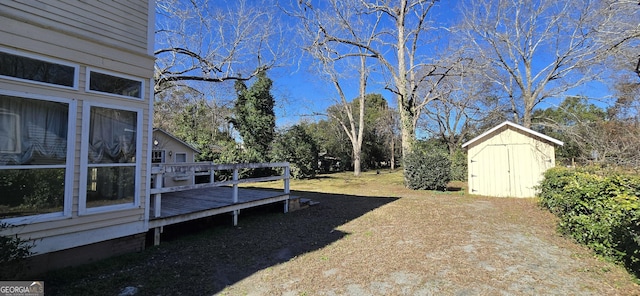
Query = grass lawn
x=368 y=236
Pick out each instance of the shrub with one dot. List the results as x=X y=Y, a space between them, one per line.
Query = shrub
x=430 y=170
x=598 y=209
x=459 y=165
x=13 y=250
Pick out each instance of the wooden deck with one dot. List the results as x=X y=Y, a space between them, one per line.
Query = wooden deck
x=193 y=204
x=176 y=204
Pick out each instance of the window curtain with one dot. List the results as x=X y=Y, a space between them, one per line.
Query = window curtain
x=32 y=131
x=112 y=136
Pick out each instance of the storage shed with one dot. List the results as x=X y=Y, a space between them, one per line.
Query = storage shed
x=509 y=160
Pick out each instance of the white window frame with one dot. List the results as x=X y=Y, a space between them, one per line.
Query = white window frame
x=69 y=162
x=107 y=72
x=76 y=67
x=181 y=153
x=163 y=156
x=84 y=161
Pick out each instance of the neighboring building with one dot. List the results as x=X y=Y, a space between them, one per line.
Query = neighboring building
x=328 y=163
x=509 y=160
x=76 y=103
x=169 y=149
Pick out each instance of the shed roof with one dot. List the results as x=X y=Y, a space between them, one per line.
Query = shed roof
x=175 y=138
x=515 y=126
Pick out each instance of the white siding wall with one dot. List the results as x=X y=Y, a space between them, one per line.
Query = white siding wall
x=119 y=23
x=103 y=35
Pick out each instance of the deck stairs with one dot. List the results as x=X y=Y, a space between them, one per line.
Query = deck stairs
x=299 y=203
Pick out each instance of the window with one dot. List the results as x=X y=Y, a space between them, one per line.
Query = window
x=35 y=164
x=111 y=152
x=157 y=156
x=117 y=85
x=181 y=157
x=19 y=66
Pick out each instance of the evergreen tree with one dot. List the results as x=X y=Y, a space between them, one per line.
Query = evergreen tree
x=196 y=125
x=296 y=146
x=254 y=117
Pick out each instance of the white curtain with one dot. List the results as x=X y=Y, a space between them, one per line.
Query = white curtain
x=112 y=136
x=32 y=131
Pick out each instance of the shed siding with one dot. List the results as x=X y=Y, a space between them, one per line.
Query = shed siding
x=101 y=35
x=508 y=163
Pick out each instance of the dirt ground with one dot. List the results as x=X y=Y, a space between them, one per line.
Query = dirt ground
x=405 y=243
x=441 y=246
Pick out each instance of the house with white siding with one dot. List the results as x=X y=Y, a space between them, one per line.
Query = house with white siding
x=167 y=148
x=76 y=105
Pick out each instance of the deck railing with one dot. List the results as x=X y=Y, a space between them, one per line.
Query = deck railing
x=158 y=172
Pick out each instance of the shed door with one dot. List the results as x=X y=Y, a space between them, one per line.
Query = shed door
x=528 y=170
x=490 y=171
x=507 y=170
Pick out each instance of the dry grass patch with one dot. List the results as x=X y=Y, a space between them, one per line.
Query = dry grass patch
x=368 y=236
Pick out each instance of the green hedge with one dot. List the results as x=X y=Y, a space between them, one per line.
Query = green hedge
x=427 y=170
x=597 y=208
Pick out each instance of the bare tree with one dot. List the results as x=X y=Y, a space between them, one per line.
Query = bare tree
x=621 y=134
x=209 y=41
x=536 y=49
x=336 y=63
x=353 y=129
x=398 y=45
x=621 y=35
x=388 y=128
x=611 y=142
x=462 y=103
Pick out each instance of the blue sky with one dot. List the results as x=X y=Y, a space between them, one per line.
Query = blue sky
x=299 y=92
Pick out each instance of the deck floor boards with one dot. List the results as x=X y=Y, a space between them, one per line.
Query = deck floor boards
x=189 y=202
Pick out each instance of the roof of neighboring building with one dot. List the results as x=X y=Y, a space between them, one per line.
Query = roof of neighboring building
x=517 y=127
x=175 y=138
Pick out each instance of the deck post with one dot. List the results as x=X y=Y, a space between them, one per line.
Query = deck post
x=235 y=185
x=235 y=217
x=212 y=174
x=157 y=198
x=235 y=195
x=287 y=172
x=156 y=235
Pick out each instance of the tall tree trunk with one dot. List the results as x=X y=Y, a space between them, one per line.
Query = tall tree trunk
x=357 y=149
x=356 y=162
x=528 y=112
x=408 y=130
x=405 y=102
x=393 y=153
